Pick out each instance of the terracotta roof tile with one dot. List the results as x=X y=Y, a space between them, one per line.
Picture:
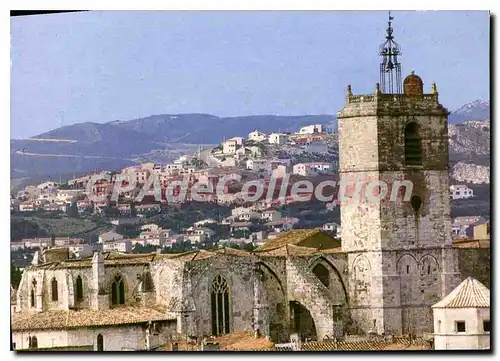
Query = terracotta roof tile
x=301 y=237
x=469 y=294
x=87 y=317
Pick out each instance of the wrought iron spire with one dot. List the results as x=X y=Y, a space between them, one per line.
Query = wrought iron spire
x=390 y=67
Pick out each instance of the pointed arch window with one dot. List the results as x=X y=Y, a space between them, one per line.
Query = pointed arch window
x=118 y=291
x=220 y=306
x=413 y=144
x=79 y=288
x=53 y=284
x=32 y=293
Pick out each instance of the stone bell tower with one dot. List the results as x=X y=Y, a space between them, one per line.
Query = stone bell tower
x=396 y=227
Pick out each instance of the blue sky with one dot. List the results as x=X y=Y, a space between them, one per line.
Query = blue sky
x=105 y=66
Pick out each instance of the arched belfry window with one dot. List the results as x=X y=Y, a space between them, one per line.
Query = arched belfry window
x=79 y=288
x=219 y=293
x=54 y=289
x=413 y=144
x=118 y=291
x=322 y=273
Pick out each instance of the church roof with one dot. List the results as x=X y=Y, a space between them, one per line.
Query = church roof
x=469 y=294
x=288 y=250
x=313 y=238
x=110 y=258
x=398 y=343
x=59 y=319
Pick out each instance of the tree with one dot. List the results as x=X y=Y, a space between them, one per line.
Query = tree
x=15 y=275
x=72 y=210
x=139 y=248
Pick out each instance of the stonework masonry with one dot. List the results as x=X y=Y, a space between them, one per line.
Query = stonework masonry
x=395 y=261
x=400 y=253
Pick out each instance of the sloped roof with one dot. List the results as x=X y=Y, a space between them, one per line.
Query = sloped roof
x=85 y=318
x=398 y=343
x=110 y=258
x=313 y=238
x=288 y=250
x=469 y=294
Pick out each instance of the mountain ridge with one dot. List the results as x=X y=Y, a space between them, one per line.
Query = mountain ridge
x=117 y=143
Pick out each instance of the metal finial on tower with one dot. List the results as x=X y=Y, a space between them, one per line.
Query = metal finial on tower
x=390 y=67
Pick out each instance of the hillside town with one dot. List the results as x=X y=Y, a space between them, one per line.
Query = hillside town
x=259 y=156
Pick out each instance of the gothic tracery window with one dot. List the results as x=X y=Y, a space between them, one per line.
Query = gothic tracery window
x=413 y=144
x=219 y=293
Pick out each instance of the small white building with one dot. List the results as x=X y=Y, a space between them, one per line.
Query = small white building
x=460 y=191
x=461 y=226
x=278 y=138
x=123 y=246
x=110 y=236
x=150 y=227
x=311 y=129
x=257 y=136
x=47 y=185
x=257 y=164
x=332 y=228
x=240 y=141
x=204 y=222
x=81 y=250
x=27 y=207
x=311 y=168
x=462 y=318
x=271 y=215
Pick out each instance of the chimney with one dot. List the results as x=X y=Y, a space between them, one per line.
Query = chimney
x=100 y=300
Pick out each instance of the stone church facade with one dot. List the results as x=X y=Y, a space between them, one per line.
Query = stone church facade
x=394 y=262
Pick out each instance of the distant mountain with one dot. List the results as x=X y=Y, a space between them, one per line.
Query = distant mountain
x=85 y=147
x=209 y=129
x=475 y=110
x=470 y=151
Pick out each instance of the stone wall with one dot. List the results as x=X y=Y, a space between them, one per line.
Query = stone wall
x=474 y=337
x=122 y=338
x=238 y=272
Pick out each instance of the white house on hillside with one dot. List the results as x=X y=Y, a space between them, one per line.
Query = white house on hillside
x=311 y=129
x=462 y=318
x=460 y=191
x=229 y=147
x=311 y=168
x=110 y=236
x=278 y=138
x=257 y=136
